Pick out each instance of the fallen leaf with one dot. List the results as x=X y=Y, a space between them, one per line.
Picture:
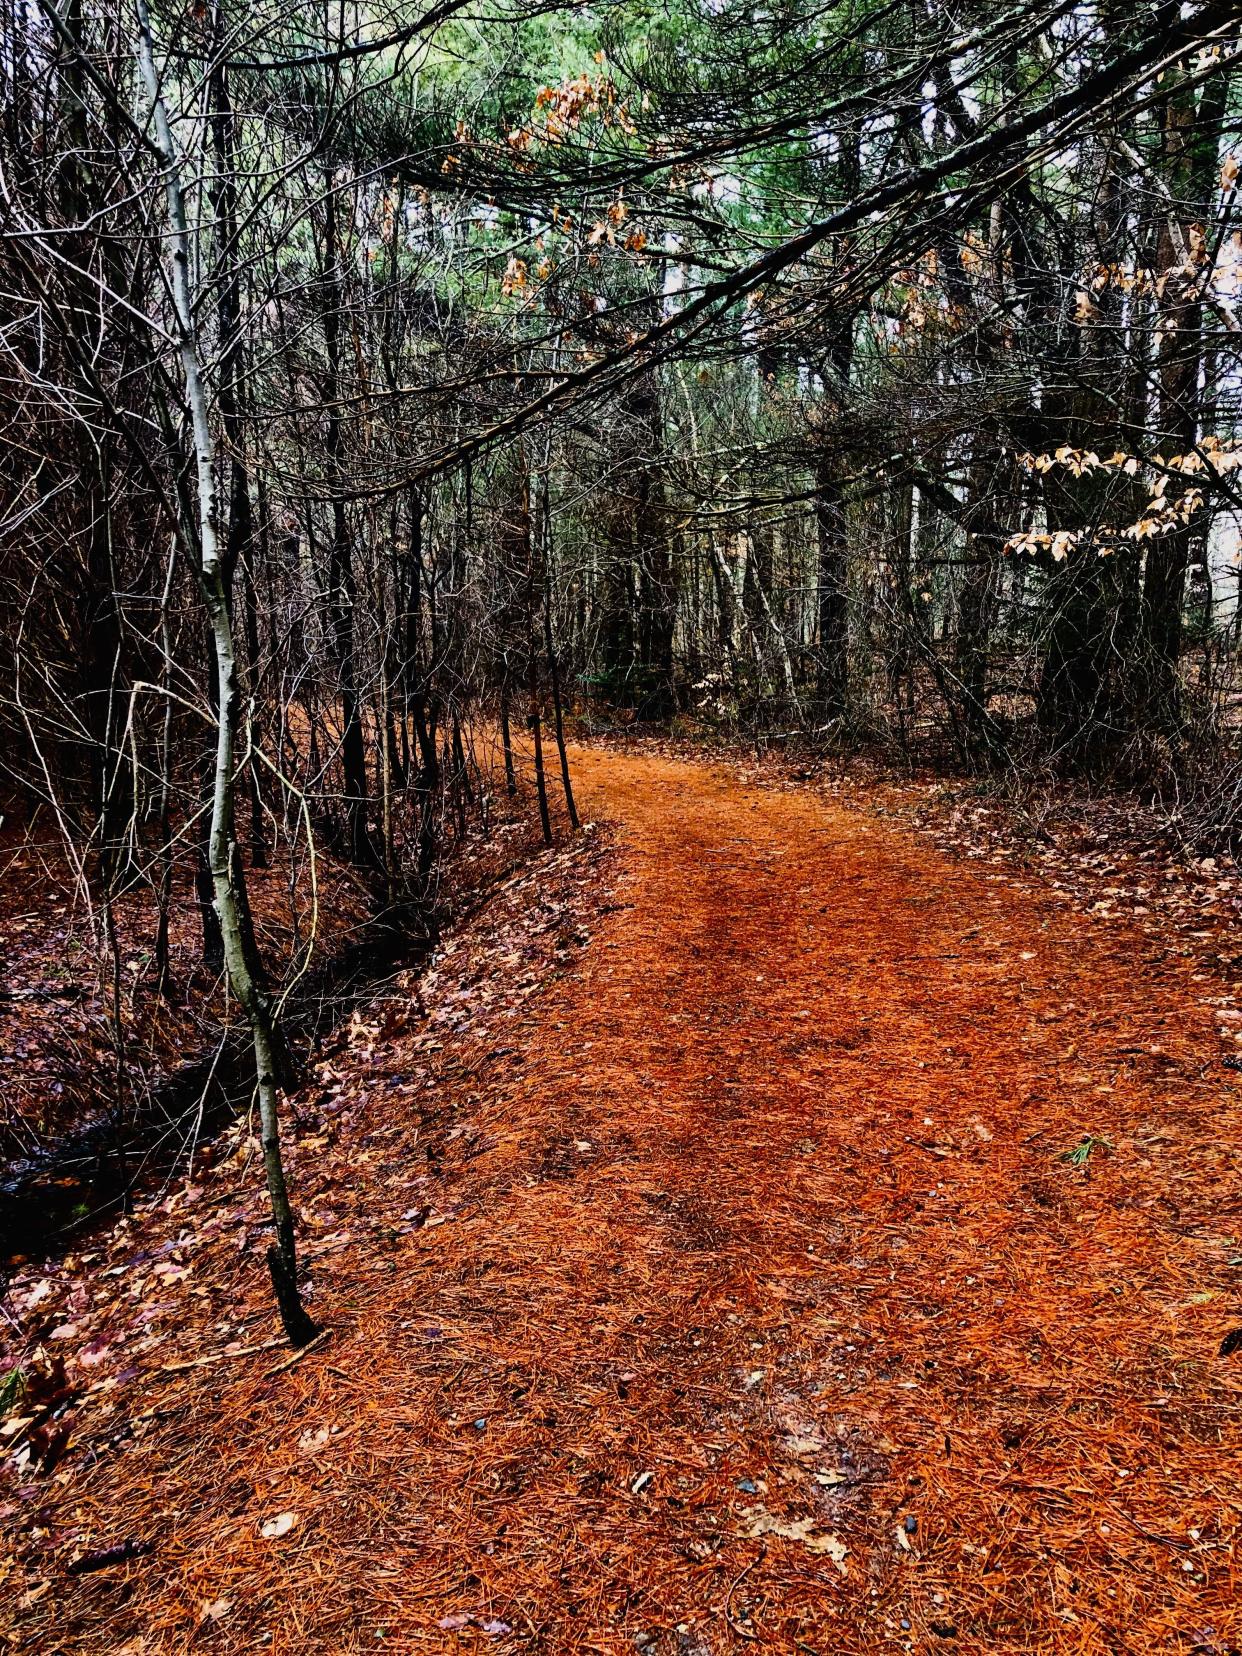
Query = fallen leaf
x=803 y=1530
x=804 y=1445
x=271 y=1529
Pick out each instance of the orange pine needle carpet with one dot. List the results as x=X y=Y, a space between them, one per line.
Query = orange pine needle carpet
x=831 y=1255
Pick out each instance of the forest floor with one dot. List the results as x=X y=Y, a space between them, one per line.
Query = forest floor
x=759 y=1229
x=107 y=1080
x=62 y=1019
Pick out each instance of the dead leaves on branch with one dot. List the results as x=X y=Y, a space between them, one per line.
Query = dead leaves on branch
x=1163 y=514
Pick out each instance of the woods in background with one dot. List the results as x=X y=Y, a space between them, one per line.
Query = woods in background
x=370 y=379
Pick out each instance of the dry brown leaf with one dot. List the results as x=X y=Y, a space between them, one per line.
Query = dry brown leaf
x=803 y=1530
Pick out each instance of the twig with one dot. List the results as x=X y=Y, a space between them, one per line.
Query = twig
x=742 y=1632
x=121 y=1554
x=322 y=1338
x=219 y=1357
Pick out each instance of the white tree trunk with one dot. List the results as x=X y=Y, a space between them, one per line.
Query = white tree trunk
x=223 y=852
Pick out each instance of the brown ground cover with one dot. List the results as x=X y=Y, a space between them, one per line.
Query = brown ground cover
x=767 y=1231
x=85 y=1037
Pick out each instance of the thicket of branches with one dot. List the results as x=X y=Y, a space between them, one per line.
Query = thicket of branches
x=867 y=369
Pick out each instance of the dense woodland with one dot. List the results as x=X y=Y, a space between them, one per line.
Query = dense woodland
x=382 y=389
x=620 y=827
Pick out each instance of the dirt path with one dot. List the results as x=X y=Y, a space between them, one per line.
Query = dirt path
x=768 y=1313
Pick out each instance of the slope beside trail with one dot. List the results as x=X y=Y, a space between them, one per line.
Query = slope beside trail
x=768 y=1311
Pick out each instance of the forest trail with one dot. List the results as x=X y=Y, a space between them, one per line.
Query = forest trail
x=769 y=1313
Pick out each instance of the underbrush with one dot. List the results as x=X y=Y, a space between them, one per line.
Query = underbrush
x=102 y=1061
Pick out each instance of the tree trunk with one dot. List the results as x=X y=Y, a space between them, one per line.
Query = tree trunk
x=1191 y=141
x=271 y=1057
x=554 y=675
x=342 y=592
